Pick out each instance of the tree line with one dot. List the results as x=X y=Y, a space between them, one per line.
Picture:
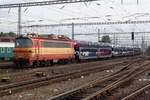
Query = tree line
x=7 y=34
x=106 y=39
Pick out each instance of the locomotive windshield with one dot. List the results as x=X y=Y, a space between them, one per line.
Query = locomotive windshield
x=23 y=43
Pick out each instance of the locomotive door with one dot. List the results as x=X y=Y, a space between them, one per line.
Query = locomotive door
x=37 y=45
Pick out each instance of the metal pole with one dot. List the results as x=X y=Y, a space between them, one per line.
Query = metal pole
x=137 y=2
x=121 y=1
x=72 y=31
x=19 y=20
x=98 y=35
x=133 y=45
x=114 y=39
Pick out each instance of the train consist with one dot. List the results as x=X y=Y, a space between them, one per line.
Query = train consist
x=37 y=51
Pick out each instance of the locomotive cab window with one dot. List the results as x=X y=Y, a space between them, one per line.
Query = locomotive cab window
x=23 y=43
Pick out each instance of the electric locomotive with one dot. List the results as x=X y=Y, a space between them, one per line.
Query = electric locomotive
x=32 y=50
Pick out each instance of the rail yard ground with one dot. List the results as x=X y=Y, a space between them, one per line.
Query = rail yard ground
x=112 y=79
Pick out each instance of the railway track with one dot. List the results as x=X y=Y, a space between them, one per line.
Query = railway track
x=26 y=73
x=14 y=87
x=100 y=87
x=10 y=65
x=136 y=93
x=15 y=77
x=19 y=74
x=10 y=88
x=5 y=65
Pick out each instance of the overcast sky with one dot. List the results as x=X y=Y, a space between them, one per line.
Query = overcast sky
x=98 y=11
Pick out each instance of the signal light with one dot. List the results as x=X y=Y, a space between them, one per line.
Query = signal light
x=132 y=35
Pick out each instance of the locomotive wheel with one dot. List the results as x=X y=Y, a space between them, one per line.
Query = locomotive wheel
x=47 y=63
x=43 y=63
x=34 y=64
x=66 y=61
x=51 y=62
x=63 y=61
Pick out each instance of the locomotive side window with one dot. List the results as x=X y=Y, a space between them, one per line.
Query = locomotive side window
x=62 y=45
x=23 y=42
x=2 y=50
x=55 y=45
x=8 y=50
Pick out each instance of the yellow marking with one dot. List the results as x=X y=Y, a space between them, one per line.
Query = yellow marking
x=56 y=51
x=31 y=52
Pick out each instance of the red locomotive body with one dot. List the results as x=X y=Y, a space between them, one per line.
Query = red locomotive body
x=35 y=51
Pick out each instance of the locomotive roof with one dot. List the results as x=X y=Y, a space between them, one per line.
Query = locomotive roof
x=7 y=44
x=41 y=38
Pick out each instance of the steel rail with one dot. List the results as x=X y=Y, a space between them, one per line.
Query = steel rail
x=4 y=89
x=57 y=70
x=135 y=93
x=67 y=95
x=114 y=85
x=104 y=62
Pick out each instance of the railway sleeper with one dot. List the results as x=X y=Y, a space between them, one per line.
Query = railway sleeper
x=76 y=98
x=40 y=74
x=108 y=92
x=101 y=96
x=84 y=94
x=79 y=96
x=5 y=79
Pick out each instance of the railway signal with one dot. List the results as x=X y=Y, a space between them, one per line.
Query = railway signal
x=132 y=35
